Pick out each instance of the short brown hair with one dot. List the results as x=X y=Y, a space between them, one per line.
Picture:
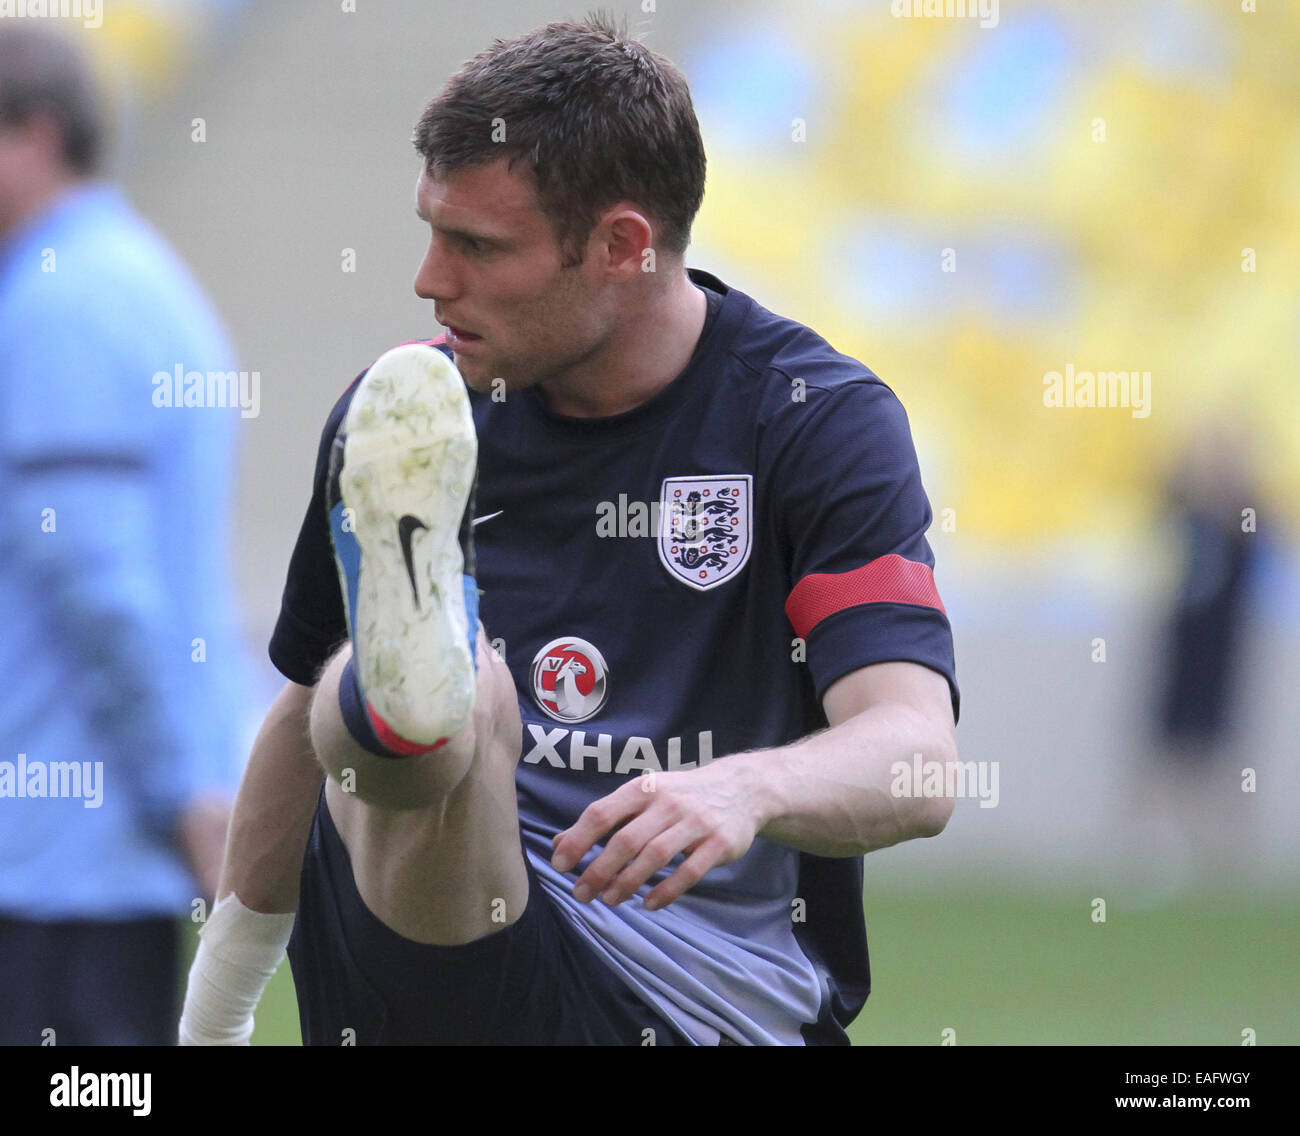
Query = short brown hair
x=42 y=71
x=594 y=116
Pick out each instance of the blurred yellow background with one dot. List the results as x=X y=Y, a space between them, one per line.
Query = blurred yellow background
x=1097 y=174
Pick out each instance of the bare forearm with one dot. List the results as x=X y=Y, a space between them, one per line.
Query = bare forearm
x=830 y=794
x=274 y=809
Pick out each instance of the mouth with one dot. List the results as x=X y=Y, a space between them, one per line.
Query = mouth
x=460 y=336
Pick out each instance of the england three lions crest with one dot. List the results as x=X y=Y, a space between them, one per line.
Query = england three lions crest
x=705 y=527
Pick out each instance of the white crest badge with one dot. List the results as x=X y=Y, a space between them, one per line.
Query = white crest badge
x=704 y=527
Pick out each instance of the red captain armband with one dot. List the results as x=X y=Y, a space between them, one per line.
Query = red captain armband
x=889 y=579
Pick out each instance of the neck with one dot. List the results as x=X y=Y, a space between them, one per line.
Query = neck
x=33 y=203
x=643 y=355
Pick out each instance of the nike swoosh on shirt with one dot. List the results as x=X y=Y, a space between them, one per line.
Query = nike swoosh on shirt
x=479 y=520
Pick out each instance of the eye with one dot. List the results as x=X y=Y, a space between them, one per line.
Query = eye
x=472 y=245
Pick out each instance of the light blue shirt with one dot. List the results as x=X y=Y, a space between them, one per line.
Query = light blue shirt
x=118 y=643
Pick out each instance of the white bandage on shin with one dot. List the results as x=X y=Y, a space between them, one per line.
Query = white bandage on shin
x=238 y=952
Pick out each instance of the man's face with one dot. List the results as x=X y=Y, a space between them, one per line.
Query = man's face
x=494 y=270
x=26 y=162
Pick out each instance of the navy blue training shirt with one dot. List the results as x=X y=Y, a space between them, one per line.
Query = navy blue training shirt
x=672 y=585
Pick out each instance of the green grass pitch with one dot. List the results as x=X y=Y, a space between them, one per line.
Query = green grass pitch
x=1001 y=968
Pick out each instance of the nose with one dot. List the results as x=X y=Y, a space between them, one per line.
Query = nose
x=436 y=278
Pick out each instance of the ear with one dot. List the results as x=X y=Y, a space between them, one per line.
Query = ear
x=624 y=233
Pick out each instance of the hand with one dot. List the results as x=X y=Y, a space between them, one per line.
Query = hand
x=712 y=814
x=201 y=836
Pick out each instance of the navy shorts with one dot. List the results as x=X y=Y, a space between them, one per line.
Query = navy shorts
x=536 y=982
x=92 y=983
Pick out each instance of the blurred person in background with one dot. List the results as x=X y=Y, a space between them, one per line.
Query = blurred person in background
x=1193 y=775
x=1212 y=494
x=120 y=664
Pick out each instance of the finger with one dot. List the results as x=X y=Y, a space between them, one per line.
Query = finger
x=555 y=840
x=707 y=856
x=620 y=849
x=655 y=855
x=597 y=820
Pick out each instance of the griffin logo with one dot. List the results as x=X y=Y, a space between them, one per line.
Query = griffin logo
x=570 y=680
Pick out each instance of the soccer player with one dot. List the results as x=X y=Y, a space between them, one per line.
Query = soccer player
x=701 y=557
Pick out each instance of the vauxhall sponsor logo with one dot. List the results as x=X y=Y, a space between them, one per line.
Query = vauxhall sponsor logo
x=570 y=749
x=570 y=681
